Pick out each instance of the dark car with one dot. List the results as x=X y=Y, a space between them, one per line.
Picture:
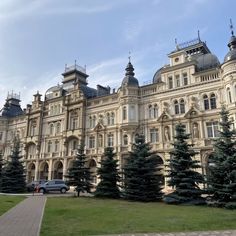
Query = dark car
x=32 y=185
x=53 y=185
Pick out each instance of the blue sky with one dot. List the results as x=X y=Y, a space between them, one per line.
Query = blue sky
x=38 y=37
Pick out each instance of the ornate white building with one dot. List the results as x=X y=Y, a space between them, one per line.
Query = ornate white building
x=190 y=90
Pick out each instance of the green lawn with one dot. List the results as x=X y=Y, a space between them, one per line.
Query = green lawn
x=7 y=202
x=89 y=216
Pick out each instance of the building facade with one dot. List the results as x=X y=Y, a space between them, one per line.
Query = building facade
x=191 y=90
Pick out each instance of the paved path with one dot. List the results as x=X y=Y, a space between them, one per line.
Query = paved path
x=205 y=233
x=24 y=219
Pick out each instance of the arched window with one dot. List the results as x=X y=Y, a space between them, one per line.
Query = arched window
x=94 y=121
x=213 y=101
x=124 y=113
x=206 y=102
x=108 y=119
x=155 y=111
x=49 y=146
x=101 y=119
x=182 y=106
x=112 y=118
x=150 y=111
x=58 y=128
x=176 y=105
x=229 y=95
x=56 y=148
x=90 y=122
x=125 y=140
x=51 y=129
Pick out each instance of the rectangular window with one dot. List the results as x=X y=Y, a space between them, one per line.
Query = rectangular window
x=177 y=81
x=185 y=79
x=212 y=129
x=153 y=135
x=92 y=142
x=170 y=82
x=110 y=140
x=73 y=124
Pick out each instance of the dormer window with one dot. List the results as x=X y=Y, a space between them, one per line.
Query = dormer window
x=176 y=59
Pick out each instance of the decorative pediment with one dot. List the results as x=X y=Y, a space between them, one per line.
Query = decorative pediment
x=193 y=112
x=164 y=116
x=99 y=127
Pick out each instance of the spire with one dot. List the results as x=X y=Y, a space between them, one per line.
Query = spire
x=232 y=41
x=129 y=69
x=231 y=27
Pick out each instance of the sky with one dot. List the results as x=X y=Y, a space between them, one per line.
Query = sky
x=38 y=37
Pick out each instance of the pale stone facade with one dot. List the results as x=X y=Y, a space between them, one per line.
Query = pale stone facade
x=190 y=90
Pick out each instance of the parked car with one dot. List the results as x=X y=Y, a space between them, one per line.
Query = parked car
x=53 y=185
x=32 y=185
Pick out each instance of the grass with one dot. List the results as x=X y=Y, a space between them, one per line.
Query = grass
x=7 y=202
x=89 y=216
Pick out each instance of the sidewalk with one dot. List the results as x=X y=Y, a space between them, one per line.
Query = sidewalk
x=205 y=233
x=24 y=219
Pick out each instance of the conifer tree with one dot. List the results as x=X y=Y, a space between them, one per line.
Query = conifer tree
x=182 y=175
x=222 y=171
x=142 y=177
x=79 y=175
x=13 y=173
x=108 y=187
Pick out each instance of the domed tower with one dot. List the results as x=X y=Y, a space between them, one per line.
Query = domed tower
x=229 y=70
x=128 y=109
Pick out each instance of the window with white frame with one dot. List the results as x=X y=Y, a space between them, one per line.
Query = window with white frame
x=185 y=79
x=154 y=135
x=206 y=102
x=132 y=112
x=155 y=111
x=182 y=106
x=125 y=140
x=170 y=82
x=91 y=142
x=51 y=129
x=212 y=129
x=213 y=101
x=110 y=140
x=56 y=145
x=176 y=106
x=58 y=127
x=49 y=146
x=229 y=95
x=100 y=140
x=177 y=81
x=112 y=118
x=124 y=111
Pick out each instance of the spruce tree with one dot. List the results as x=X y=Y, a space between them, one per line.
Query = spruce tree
x=142 y=180
x=222 y=171
x=182 y=175
x=13 y=173
x=108 y=187
x=79 y=175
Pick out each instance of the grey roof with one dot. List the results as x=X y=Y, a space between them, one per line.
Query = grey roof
x=157 y=76
x=88 y=92
x=129 y=79
x=11 y=109
x=231 y=55
x=207 y=61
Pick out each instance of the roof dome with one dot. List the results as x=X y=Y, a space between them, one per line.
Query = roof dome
x=231 y=55
x=129 y=79
x=207 y=61
x=157 y=76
